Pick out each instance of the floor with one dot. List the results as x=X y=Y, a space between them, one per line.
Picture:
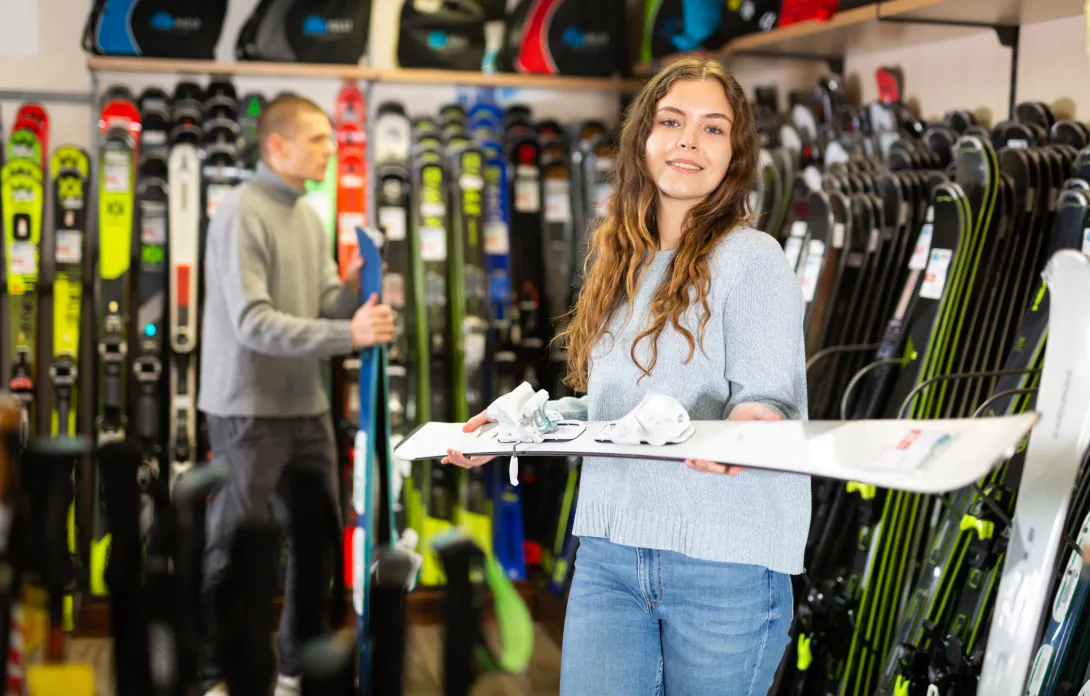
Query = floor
x=423 y=666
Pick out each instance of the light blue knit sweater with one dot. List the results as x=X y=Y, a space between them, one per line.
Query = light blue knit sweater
x=753 y=350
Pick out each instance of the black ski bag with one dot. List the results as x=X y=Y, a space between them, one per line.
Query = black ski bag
x=306 y=31
x=155 y=28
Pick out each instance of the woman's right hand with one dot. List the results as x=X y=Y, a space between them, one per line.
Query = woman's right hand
x=457 y=458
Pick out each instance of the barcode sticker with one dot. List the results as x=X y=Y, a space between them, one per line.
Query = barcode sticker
x=496 y=238
x=23 y=258
x=433 y=244
x=69 y=246
x=527 y=196
x=346 y=227
x=934 y=279
x=557 y=200
x=392 y=218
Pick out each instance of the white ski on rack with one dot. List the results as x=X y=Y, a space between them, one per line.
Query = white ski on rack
x=930 y=456
x=1055 y=451
x=184 y=243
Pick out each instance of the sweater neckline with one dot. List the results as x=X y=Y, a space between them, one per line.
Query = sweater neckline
x=275 y=185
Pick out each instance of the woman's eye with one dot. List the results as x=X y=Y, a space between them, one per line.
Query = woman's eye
x=715 y=129
x=668 y=122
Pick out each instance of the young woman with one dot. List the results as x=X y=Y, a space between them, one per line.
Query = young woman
x=681 y=581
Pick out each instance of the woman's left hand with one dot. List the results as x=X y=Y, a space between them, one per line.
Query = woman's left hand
x=746 y=411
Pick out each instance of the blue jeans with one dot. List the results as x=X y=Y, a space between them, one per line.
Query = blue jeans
x=642 y=622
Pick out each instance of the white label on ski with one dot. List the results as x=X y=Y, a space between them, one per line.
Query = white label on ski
x=872 y=242
x=433 y=244
x=359 y=472
x=812 y=269
x=527 y=193
x=69 y=246
x=359 y=553
x=798 y=228
x=153 y=228
x=1017 y=143
x=557 y=200
x=23 y=258
x=918 y=262
x=1086 y=241
x=116 y=177
x=496 y=238
x=393 y=289
x=435 y=209
x=838 y=235
x=392 y=217
x=470 y=182
x=346 y=227
x=793 y=248
x=351 y=181
x=1039 y=670
x=934 y=280
x=913 y=450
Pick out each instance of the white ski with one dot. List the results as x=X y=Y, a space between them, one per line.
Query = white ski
x=1052 y=462
x=932 y=456
x=184 y=242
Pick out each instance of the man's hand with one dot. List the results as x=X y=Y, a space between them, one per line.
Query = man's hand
x=373 y=323
x=747 y=411
x=352 y=274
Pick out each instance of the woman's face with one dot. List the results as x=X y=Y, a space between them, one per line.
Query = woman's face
x=688 y=150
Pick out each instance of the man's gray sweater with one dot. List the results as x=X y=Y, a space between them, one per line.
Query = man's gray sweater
x=752 y=351
x=275 y=309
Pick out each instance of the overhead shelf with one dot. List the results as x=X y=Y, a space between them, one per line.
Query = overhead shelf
x=898 y=23
x=390 y=76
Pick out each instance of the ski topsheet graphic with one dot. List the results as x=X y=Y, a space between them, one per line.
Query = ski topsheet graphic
x=937 y=456
x=1052 y=462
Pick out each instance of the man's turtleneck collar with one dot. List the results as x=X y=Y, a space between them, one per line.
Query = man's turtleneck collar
x=275 y=185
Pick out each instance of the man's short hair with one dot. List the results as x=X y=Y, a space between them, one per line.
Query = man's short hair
x=279 y=116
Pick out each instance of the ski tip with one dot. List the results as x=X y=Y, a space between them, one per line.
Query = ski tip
x=324 y=657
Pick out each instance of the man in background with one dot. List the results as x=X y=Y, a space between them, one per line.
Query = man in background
x=275 y=311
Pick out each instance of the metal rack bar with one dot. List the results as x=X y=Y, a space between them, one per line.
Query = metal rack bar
x=47 y=97
x=957 y=376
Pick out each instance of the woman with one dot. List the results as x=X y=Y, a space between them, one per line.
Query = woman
x=681 y=580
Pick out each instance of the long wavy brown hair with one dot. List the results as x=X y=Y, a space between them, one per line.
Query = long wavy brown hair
x=628 y=238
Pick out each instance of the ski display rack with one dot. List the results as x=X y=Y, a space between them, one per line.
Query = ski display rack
x=424 y=600
x=948 y=214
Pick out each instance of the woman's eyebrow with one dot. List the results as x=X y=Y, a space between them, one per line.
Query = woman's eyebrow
x=675 y=110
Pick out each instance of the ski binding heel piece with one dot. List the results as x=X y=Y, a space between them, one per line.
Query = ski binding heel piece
x=656 y=421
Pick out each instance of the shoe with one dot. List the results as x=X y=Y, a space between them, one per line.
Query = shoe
x=218 y=690
x=287 y=686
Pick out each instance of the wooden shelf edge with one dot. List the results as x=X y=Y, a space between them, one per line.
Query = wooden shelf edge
x=389 y=76
x=847 y=18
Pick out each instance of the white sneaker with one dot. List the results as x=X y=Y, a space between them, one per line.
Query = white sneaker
x=218 y=690
x=287 y=686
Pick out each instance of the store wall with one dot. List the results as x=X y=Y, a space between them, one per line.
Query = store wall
x=971 y=72
x=61 y=66
x=974 y=72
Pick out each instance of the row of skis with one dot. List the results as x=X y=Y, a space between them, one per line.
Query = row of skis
x=920 y=249
x=104 y=293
